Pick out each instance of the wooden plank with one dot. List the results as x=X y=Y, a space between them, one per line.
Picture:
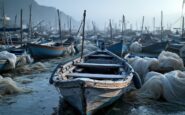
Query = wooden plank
x=100 y=56
x=98 y=65
x=88 y=75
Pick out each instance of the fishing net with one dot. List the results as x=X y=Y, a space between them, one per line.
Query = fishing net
x=32 y=68
x=170 y=86
x=142 y=65
x=8 y=86
x=167 y=61
x=170 y=60
x=23 y=60
x=136 y=47
x=88 y=47
x=10 y=57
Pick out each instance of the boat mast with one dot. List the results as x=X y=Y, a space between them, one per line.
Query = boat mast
x=15 y=21
x=142 y=25
x=123 y=27
x=4 y=23
x=161 y=25
x=94 y=28
x=83 y=33
x=21 y=32
x=182 y=26
x=30 y=22
x=154 y=25
x=70 y=26
x=59 y=23
x=110 y=24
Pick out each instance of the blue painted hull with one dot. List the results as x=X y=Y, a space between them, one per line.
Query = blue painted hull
x=41 y=51
x=17 y=51
x=117 y=48
x=155 y=48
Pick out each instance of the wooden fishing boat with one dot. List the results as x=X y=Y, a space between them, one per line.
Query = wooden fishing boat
x=94 y=81
x=118 y=48
x=40 y=51
x=155 y=48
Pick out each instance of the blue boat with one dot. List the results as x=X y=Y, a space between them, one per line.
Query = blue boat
x=40 y=51
x=17 y=51
x=118 y=48
x=155 y=48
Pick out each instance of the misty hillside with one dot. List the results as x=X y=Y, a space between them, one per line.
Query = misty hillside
x=39 y=13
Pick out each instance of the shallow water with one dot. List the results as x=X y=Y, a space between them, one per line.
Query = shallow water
x=44 y=99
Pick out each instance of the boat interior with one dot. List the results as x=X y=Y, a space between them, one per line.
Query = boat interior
x=99 y=65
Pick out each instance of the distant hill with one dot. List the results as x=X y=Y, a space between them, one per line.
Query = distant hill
x=39 y=13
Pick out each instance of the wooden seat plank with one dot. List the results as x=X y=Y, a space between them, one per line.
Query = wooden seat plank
x=98 y=65
x=101 y=56
x=102 y=76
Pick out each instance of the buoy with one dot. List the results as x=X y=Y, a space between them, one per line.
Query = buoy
x=137 y=81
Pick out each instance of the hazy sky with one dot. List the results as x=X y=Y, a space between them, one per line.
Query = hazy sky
x=102 y=10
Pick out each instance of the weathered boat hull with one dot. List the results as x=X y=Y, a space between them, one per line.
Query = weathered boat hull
x=42 y=51
x=17 y=51
x=93 y=82
x=88 y=98
x=118 y=48
x=155 y=48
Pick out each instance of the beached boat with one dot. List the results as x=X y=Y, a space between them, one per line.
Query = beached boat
x=155 y=48
x=94 y=81
x=118 y=48
x=40 y=51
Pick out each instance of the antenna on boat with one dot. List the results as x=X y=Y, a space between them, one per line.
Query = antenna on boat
x=59 y=23
x=83 y=32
